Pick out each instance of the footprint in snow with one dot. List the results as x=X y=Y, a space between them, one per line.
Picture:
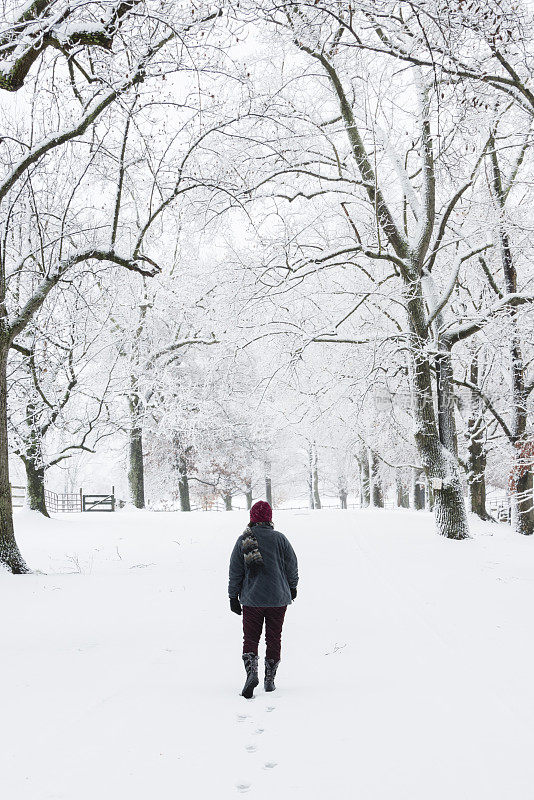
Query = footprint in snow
x=269 y=765
x=243 y=787
x=251 y=748
x=270 y=708
x=243 y=716
x=259 y=730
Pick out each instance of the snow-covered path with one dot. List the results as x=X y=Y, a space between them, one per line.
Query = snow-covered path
x=406 y=671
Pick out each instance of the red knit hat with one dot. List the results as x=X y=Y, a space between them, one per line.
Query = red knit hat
x=261 y=512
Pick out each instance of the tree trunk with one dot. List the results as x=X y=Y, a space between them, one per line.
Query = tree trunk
x=437 y=458
x=32 y=458
x=437 y=461
x=136 y=469
x=403 y=495
x=311 y=498
x=441 y=457
x=477 y=489
x=476 y=460
x=445 y=396
x=316 y=496
x=268 y=484
x=249 y=497
x=522 y=499
x=227 y=497
x=365 y=493
x=10 y=554
x=35 y=491
x=343 y=498
x=377 y=493
x=418 y=490
x=183 y=483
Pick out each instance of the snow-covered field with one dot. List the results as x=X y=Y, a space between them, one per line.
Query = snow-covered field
x=407 y=666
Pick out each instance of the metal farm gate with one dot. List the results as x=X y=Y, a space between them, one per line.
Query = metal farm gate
x=77 y=502
x=68 y=503
x=98 y=502
x=18 y=496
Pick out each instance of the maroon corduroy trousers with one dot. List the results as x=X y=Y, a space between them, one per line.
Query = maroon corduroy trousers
x=252 y=627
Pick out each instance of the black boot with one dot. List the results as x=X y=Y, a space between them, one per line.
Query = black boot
x=270 y=671
x=251 y=665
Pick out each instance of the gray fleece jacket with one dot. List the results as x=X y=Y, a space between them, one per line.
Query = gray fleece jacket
x=269 y=586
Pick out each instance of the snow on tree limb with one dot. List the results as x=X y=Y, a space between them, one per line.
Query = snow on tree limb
x=43 y=25
x=35 y=302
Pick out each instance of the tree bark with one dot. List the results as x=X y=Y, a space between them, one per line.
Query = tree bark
x=268 y=484
x=476 y=459
x=403 y=495
x=249 y=497
x=316 y=496
x=522 y=499
x=437 y=459
x=377 y=493
x=365 y=493
x=136 y=474
x=448 y=502
x=445 y=398
x=522 y=484
x=136 y=470
x=32 y=458
x=418 y=490
x=10 y=554
x=343 y=498
x=35 y=487
x=227 y=497
x=311 y=498
x=477 y=482
x=183 y=483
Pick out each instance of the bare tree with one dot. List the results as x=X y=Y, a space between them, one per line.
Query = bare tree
x=61 y=387
x=478 y=47
x=410 y=247
x=51 y=32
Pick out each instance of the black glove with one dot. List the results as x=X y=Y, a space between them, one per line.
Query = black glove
x=293 y=592
x=235 y=605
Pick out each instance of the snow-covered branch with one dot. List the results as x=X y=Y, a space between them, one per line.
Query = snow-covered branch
x=47 y=284
x=46 y=24
x=94 y=111
x=442 y=302
x=466 y=329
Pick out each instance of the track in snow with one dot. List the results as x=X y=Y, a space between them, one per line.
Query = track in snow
x=406 y=664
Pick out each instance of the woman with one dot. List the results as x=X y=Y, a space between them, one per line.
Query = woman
x=264 y=576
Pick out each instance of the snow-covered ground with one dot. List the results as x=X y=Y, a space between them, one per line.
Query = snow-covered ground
x=406 y=673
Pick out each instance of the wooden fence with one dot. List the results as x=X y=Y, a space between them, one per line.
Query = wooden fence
x=174 y=505
x=69 y=502
x=75 y=502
